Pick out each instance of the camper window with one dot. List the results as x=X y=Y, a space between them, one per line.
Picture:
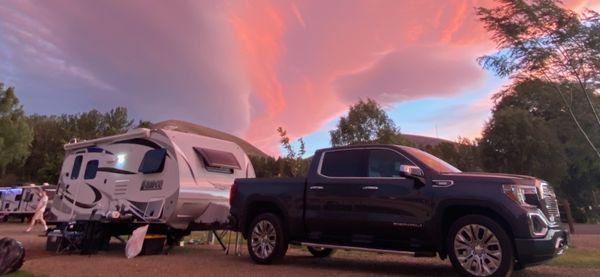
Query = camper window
x=217 y=161
x=76 y=167
x=91 y=169
x=153 y=162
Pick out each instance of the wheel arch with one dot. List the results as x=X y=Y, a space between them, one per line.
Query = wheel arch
x=259 y=206
x=453 y=211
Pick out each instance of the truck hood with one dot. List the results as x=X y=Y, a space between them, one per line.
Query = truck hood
x=491 y=178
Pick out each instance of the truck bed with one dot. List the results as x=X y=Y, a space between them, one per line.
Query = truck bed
x=286 y=193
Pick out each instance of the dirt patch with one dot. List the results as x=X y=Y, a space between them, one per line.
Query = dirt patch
x=211 y=261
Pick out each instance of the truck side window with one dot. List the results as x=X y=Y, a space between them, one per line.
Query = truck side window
x=91 y=169
x=76 y=167
x=386 y=163
x=153 y=162
x=345 y=163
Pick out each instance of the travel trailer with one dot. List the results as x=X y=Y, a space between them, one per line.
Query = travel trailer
x=20 y=201
x=174 y=181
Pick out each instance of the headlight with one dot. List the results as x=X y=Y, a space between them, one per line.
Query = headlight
x=523 y=195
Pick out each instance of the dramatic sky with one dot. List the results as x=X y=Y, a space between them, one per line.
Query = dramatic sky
x=247 y=67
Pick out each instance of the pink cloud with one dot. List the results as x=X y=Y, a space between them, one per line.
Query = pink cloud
x=245 y=67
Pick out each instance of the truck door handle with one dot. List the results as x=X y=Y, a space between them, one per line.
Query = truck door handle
x=316 y=187
x=370 y=188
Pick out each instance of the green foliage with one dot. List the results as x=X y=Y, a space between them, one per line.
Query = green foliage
x=541 y=39
x=366 y=122
x=540 y=112
x=514 y=141
x=464 y=154
x=52 y=132
x=144 y=124
x=293 y=163
x=15 y=134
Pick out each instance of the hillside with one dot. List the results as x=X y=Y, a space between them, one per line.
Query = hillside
x=424 y=141
x=183 y=126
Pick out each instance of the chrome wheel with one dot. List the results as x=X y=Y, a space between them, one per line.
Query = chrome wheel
x=478 y=250
x=263 y=239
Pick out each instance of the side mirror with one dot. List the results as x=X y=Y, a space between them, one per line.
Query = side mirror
x=411 y=171
x=414 y=172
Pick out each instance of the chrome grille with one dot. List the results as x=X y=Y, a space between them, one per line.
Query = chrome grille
x=549 y=203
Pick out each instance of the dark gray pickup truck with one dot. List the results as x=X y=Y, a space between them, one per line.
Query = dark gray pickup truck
x=397 y=199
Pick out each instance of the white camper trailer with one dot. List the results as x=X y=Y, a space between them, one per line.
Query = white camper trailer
x=21 y=201
x=158 y=177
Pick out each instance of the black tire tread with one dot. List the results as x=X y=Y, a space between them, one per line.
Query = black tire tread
x=324 y=253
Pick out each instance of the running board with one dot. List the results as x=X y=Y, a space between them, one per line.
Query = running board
x=359 y=248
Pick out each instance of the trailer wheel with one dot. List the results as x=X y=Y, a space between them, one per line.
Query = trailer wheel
x=478 y=246
x=320 y=252
x=267 y=241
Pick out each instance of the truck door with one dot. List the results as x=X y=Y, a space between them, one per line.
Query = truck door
x=331 y=194
x=396 y=207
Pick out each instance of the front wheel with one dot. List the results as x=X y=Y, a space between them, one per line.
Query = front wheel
x=320 y=252
x=478 y=246
x=267 y=241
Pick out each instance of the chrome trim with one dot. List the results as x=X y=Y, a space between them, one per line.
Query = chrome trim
x=442 y=183
x=370 y=188
x=478 y=250
x=316 y=187
x=560 y=246
x=542 y=217
x=333 y=246
x=360 y=148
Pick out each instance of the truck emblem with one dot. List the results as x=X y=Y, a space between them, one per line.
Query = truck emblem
x=402 y=224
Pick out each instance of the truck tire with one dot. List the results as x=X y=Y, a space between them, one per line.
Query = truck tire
x=320 y=252
x=267 y=240
x=478 y=246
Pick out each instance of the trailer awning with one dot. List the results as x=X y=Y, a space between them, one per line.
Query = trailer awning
x=217 y=159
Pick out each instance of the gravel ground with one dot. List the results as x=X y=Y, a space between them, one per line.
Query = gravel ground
x=194 y=260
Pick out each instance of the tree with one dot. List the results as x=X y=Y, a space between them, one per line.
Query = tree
x=44 y=162
x=464 y=154
x=366 y=122
x=515 y=141
x=540 y=101
x=542 y=39
x=144 y=124
x=293 y=161
x=15 y=134
x=52 y=132
x=116 y=121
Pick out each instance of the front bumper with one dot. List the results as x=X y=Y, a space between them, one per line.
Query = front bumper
x=533 y=251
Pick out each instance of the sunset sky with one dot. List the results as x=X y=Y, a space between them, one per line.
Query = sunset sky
x=247 y=67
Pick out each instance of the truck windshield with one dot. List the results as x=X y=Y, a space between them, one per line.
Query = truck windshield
x=432 y=161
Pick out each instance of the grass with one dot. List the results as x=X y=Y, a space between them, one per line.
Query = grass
x=578 y=258
x=20 y=274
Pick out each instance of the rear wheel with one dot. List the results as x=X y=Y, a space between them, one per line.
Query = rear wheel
x=478 y=246
x=320 y=252
x=267 y=241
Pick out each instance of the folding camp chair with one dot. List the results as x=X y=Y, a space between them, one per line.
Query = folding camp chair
x=71 y=239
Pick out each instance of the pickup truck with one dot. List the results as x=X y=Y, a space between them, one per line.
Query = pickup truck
x=398 y=199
